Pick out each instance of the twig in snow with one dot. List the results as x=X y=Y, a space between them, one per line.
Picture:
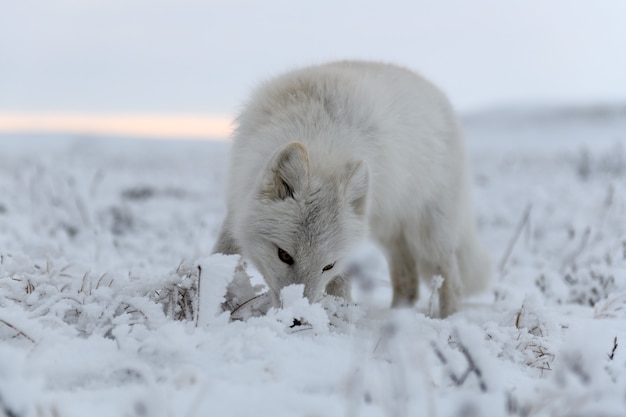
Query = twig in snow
x=543 y=357
x=471 y=366
x=612 y=354
x=198 y=295
x=131 y=308
x=515 y=237
x=439 y=354
x=518 y=317
x=380 y=339
x=19 y=332
x=444 y=361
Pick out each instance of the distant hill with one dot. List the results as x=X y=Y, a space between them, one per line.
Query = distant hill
x=510 y=116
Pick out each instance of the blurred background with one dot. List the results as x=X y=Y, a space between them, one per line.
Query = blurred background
x=164 y=68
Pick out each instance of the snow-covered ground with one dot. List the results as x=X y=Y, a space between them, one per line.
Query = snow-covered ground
x=102 y=243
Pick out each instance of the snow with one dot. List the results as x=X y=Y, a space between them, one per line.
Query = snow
x=110 y=303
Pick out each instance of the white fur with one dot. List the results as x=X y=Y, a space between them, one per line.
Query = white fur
x=361 y=148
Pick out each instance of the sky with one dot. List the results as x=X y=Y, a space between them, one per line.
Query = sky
x=199 y=59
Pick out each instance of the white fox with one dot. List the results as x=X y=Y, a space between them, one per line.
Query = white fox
x=328 y=155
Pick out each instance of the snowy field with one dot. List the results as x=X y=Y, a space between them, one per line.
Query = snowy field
x=110 y=304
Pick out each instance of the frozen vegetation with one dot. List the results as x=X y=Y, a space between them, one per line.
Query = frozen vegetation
x=110 y=304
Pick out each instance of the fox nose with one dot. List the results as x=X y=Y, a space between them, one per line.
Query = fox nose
x=312 y=294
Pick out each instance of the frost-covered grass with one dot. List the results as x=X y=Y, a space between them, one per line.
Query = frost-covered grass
x=111 y=306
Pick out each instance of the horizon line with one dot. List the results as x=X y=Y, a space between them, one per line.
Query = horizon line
x=141 y=124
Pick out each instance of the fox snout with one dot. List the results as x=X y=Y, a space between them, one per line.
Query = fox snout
x=313 y=294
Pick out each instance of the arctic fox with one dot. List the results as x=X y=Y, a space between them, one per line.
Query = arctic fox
x=328 y=155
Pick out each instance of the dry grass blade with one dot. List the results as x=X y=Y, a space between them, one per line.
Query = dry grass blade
x=19 y=332
x=30 y=288
x=438 y=353
x=100 y=280
x=82 y=285
x=179 y=298
x=472 y=368
x=303 y=327
x=612 y=354
x=515 y=237
x=240 y=306
x=613 y=306
x=198 y=295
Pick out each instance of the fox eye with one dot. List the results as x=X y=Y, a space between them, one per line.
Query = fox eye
x=328 y=267
x=285 y=257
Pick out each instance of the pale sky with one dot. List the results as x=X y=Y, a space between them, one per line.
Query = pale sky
x=201 y=58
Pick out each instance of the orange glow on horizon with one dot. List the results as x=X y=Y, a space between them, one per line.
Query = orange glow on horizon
x=150 y=126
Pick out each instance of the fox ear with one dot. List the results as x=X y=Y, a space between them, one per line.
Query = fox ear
x=286 y=173
x=357 y=186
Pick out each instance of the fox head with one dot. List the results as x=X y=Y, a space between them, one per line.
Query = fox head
x=300 y=223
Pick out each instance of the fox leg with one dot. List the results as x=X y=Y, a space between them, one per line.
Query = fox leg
x=433 y=248
x=450 y=291
x=404 y=277
x=339 y=286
